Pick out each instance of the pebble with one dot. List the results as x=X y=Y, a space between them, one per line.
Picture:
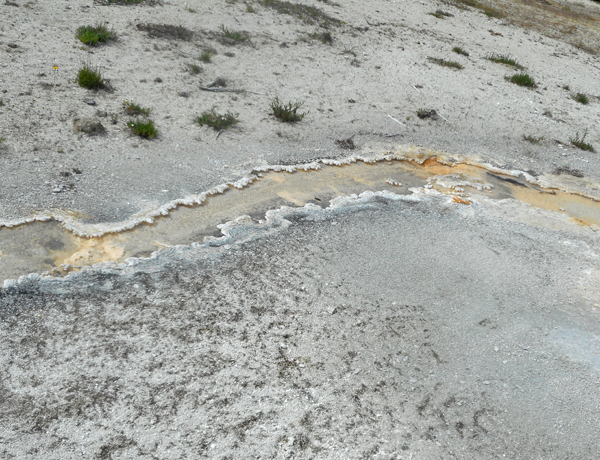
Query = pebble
x=89 y=101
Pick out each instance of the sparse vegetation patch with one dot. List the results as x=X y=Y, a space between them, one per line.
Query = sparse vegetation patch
x=233 y=36
x=487 y=10
x=445 y=63
x=441 y=14
x=166 y=31
x=307 y=14
x=324 y=37
x=533 y=139
x=459 y=50
x=215 y=120
x=92 y=35
x=287 y=113
x=504 y=59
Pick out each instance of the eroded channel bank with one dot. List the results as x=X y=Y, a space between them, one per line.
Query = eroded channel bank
x=62 y=243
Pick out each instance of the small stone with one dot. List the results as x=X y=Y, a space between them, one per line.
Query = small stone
x=57 y=190
x=486 y=382
x=89 y=101
x=158 y=80
x=101 y=113
x=12 y=45
x=496 y=349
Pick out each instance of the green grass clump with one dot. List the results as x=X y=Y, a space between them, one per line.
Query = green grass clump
x=459 y=50
x=217 y=121
x=1 y=102
x=90 y=78
x=522 y=79
x=504 y=59
x=533 y=139
x=92 y=35
x=206 y=56
x=287 y=113
x=143 y=128
x=580 y=142
x=237 y=37
x=582 y=98
x=135 y=110
x=444 y=63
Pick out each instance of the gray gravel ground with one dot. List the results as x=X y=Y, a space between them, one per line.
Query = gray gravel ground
x=393 y=329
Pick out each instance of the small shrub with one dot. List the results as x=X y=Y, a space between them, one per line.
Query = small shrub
x=90 y=78
x=325 y=37
x=250 y=9
x=92 y=35
x=533 y=139
x=206 y=56
x=135 y=110
x=216 y=121
x=580 y=142
x=582 y=98
x=1 y=103
x=444 y=63
x=522 y=79
x=143 y=128
x=459 y=50
x=237 y=37
x=287 y=113
x=504 y=59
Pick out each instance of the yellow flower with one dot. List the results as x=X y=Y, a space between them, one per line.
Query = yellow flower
x=55 y=67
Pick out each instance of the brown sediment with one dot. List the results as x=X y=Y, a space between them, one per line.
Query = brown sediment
x=48 y=246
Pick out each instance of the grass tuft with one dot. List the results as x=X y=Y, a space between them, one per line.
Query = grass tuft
x=522 y=79
x=582 y=98
x=459 y=50
x=504 y=59
x=92 y=35
x=90 y=78
x=444 y=63
x=135 y=110
x=194 y=69
x=143 y=128
x=206 y=56
x=235 y=36
x=580 y=142
x=217 y=121
x=287 y=113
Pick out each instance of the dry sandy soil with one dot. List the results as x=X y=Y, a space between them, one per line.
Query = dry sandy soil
x=386 y=326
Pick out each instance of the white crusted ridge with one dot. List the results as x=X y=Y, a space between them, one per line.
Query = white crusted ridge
x=404 y=153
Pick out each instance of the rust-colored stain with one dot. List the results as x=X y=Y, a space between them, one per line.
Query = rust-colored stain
x=456 y=199
x=47 y=246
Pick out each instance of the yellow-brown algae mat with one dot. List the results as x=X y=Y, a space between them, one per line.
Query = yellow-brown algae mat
x=49 y=247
